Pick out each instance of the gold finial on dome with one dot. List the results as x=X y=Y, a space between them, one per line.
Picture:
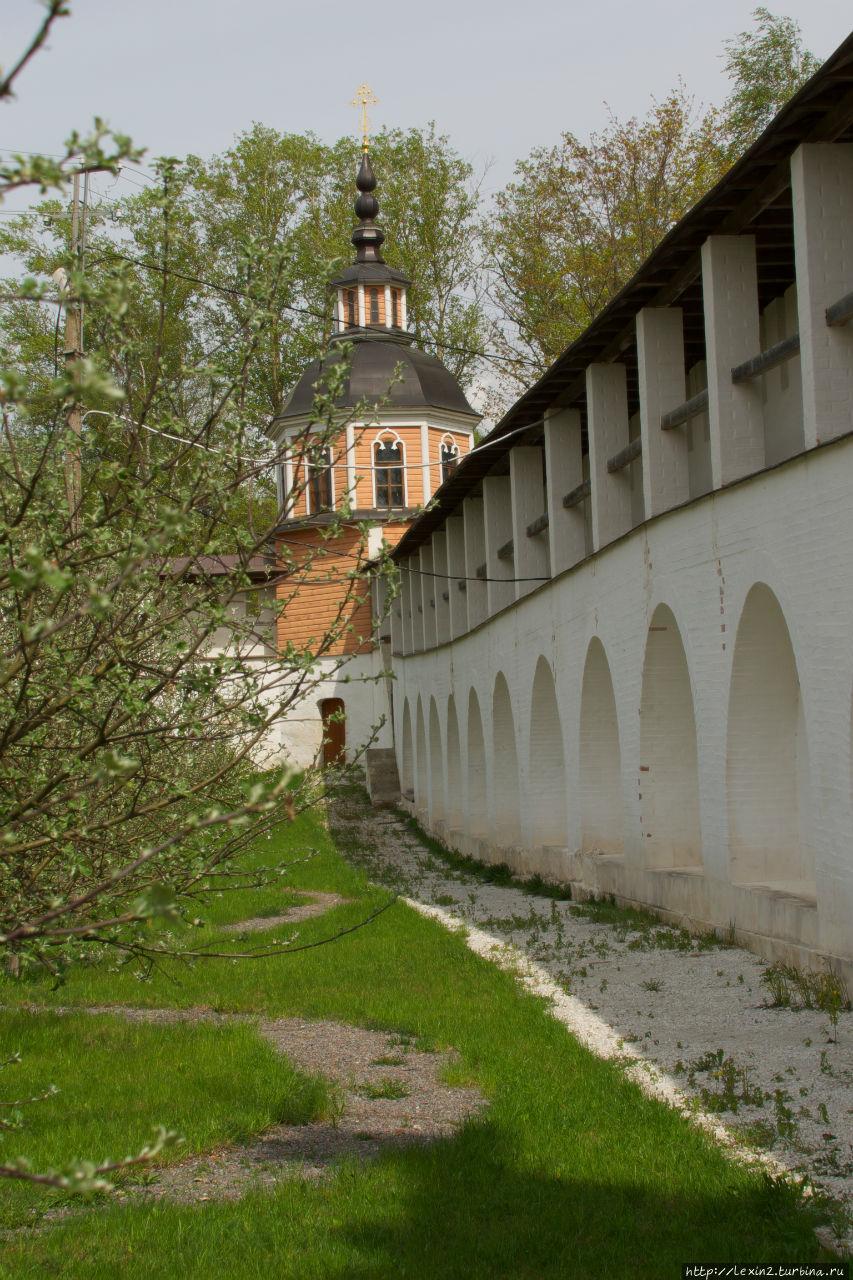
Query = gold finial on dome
x=364 y=98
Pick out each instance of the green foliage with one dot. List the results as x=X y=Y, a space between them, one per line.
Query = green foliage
x=135 y=510
x=581 y=216
x=766 y=67
x=788 y=987
x=386 y=1088
x=270 y=217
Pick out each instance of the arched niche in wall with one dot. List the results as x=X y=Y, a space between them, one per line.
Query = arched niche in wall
x=455 y=814
x=436 y=765
x=669 y=770
x=767 y=759
x=506 y=815
x=600 y=757
x=407 y=765
x=547 y=788
x=478 y=814
x=421 y=762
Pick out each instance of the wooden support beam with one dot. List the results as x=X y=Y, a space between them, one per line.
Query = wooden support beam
x=539 y=525
x=769 y=359
x=625 y=456
x=577 y=495
x=690 y=408
x=841 y=311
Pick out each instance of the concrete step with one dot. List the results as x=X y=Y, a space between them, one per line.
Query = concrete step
x=383 y=782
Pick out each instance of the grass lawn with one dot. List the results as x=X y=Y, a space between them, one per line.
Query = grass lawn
x=571 y=1172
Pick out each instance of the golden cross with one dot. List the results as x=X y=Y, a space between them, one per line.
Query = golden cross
x=364 y=98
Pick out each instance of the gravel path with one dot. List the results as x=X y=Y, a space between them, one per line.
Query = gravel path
x=691 y=1016
x=389 y=1094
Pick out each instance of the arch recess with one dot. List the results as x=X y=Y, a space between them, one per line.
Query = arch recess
x=421 y=764
x=506 y=807
x=436 y=765
x=767 y=758
x=600 y=757
x=407 y=768
x=669 y=769
x=478 y=814
x=547 y=789
x=455 y=813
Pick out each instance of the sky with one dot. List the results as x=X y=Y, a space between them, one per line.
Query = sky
x=186 y=76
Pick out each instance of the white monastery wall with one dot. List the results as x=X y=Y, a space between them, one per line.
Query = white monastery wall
x=356 y=681
x=668 y=717
x=703 y=621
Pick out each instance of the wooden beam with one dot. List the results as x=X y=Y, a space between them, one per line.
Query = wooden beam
x=841 y=311
x=766 y=360
x=539 y=525
x=577 y=495
x=690 y=408
x=625 y=456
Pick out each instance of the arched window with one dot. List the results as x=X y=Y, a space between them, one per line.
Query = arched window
x=320 y=481
x=374 y=306
x=388 y=461
x=449 y=457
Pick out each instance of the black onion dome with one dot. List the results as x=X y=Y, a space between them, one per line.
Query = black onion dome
x=367 y=237
x=369 y=266
x=424 y=383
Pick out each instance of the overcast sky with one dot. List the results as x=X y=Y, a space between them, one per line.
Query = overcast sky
x=187 y=75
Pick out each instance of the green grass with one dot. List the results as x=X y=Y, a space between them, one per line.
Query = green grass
x=571 y=1172
x=387 y=1088
x=117 y=1080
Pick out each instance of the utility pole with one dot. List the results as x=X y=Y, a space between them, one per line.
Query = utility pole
x=73 y=352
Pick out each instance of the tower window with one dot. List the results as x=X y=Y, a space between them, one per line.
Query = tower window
x=388 y=460
x=320 y=481
x=351 y=308
x=374 y=306
x=449 y=458
x=395 y=308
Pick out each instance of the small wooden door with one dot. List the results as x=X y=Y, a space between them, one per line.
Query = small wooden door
x=334 y=731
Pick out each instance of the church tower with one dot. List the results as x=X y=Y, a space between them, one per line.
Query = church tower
x=401 y=424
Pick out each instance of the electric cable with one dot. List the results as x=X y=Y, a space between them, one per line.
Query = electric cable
x=306 y=311
x=420 y=573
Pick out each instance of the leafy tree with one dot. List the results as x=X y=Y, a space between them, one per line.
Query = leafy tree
x=579 y=220
x=581 y=217
x=766 y=67
x=270 y=193
x=132 y=702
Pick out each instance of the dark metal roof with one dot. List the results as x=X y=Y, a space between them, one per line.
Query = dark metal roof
x=420 y=382
x=259 y=568
x=368 y=273
x=360 y=515
x=753 y=197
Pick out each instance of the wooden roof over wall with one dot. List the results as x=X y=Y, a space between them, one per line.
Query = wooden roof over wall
x=753 y=197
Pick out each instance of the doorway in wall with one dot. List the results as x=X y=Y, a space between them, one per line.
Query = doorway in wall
x=334 y=731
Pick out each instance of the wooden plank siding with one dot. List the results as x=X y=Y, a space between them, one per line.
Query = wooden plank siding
x=304 y=619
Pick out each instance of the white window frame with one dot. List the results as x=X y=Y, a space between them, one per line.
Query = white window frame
x=447 y=439
x=382 y=437
x=308 y=495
